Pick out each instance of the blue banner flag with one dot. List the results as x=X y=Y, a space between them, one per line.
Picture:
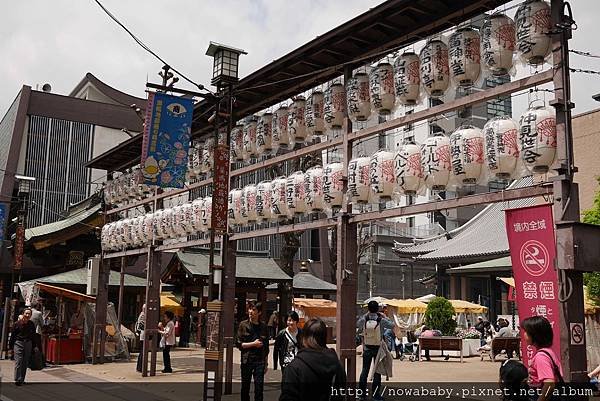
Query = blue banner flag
x=167 y=133
x=3 y=213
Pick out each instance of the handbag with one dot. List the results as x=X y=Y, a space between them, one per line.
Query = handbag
x=36 y=361
x=561 y=386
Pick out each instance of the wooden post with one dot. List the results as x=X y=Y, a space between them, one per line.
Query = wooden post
x=152 y=316
x=99 y=334
x=566 y=200
x=229 y=272
x=121 y=290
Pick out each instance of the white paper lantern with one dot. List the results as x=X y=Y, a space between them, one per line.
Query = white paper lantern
x=382 y=91
x=113 y=239
x=533 y=23
x=148 y=228
x=465 y=56
x=498 y=41
x=137 y=231
x=501 y=148
x=359 y=180
x=249 y=137
x=194 y=161
x=237 y=143
x=296 y=193
x=188 y=217
x=537 y=138
x=408 y=168
x=249 y=203
x=206 y=214
x=279 y=207
x=235 y=207
x=313 y=184
x=197 y=214
x=107 y=192
x=178 y=221
x=383 y=177
x=263 y=201
x=105 y=238
x=333 y=185
x=207 y=155
x=170 y=222
x=407 y=80
x=157 y=225
x=127 y=232
x=436 y=161
x=281 y=138
x=358 y=96
x=296 y=124
x=334 y=108
x=466 y=150
x=119 y=235
x=264 y=134
x=313 y=114
x=435 y=70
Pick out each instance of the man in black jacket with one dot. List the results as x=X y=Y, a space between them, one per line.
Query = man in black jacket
x=287 y=342
x=253 y=342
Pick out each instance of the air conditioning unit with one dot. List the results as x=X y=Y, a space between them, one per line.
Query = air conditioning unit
x=93 y=272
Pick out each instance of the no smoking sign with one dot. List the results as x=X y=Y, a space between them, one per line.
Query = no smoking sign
x=535 y=258
x=577 y=334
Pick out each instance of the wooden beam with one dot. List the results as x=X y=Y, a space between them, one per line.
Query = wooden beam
x=186 y=244
x=478 y=97
x=130 y=252
x=485 y=198
x=285 y=229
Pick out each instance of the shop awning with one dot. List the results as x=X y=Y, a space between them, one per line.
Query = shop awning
x=407 y=306
x=169 y=303
x=461 y=306
x=64 y=293
x=316 y=307
x=498 y=265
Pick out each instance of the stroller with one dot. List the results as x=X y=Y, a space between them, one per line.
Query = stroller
x=411 y=347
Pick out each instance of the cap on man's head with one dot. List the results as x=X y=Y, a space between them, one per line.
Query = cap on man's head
x=373 y=306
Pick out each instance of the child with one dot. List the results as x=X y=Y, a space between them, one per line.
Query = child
x=544 y=371
x=513 y=380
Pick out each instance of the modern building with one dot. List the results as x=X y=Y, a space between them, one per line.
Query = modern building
x=586 y=137
x=50 y=137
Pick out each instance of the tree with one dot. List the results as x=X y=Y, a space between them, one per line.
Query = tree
x=440 y=316
x=592 y=280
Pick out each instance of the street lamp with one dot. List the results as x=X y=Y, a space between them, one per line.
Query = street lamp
x=225 y=63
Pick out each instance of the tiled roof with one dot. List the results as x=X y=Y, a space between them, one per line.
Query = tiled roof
x=482 y=236
x=304 y=280
x=79 y=277
x=247 y=267
x=67 y=222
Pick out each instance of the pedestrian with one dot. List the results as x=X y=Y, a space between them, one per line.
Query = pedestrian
x=168 y=340
x=505 y=331
x=426 y=332
x=372 y=326
x=390 y=336
x=287 y=342
x=544 y=370
x=273 y=324
x=139 y=331
x=480 y=327
x=315 y=374
x=21 y=342
x=38 y=321
x=513 y=381
x=253 y=342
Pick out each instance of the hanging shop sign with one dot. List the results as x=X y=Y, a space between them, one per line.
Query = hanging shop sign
x=166 y=140
x=220 y=190
x=532 y=252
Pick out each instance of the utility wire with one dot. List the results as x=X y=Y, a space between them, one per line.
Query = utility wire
x=584 y=71
x=145 y=47
x=582 y=53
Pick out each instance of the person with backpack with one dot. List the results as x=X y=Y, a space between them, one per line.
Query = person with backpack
x=316 y=372
x=372 y=326
x=287 y=342
x=544 y=371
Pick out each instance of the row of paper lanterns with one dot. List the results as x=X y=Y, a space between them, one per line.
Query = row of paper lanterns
x=463 y=158
x=126 y=187
x=387 y=86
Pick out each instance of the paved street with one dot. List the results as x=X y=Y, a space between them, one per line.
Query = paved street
x=119 y=380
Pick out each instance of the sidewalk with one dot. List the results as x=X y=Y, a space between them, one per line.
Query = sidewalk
x=119 y=380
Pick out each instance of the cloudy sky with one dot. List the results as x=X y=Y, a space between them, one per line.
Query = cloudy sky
x=58 y=41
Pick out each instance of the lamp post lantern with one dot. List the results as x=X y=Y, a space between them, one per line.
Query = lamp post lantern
x=225 y=63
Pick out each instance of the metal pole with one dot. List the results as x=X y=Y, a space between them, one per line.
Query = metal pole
x=566 y=199
x=371 y=259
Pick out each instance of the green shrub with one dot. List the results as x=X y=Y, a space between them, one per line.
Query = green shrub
x=440 y=316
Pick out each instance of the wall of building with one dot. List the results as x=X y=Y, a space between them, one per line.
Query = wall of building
x=105 y=139
x=6 y=133
x=586 y=140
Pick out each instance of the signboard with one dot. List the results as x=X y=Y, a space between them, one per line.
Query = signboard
x=220 y=189
x=3 y=213
x=577 y=334
x=167 y=132
x=532 y=251
x=19 y=244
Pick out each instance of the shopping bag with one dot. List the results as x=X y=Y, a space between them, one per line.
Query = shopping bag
x=36 y=362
